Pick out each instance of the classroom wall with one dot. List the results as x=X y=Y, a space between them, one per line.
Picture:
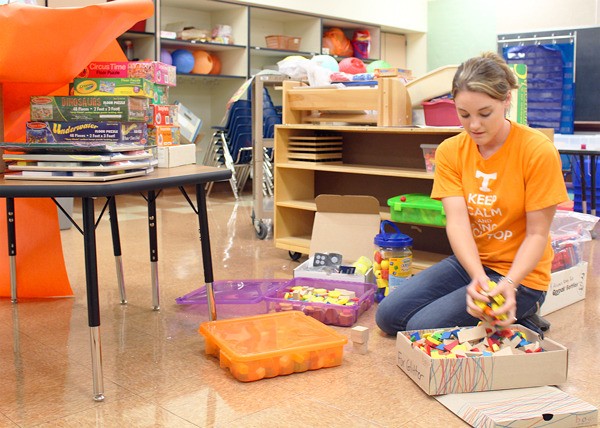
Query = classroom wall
x=459 y=29
x=516 y=16
x=393 y=15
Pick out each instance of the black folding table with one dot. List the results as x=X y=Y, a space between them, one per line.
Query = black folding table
x=148 y=185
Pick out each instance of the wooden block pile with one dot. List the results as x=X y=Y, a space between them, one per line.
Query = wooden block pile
x=483 y=340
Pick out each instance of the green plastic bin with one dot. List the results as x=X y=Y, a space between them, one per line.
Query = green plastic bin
x=417 y=209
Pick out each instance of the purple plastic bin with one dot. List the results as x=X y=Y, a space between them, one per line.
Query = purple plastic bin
x=332 y=314
x=234 y=298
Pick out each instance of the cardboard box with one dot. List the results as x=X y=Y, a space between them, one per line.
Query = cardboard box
x=474 y=374
x=104 y=132
x=157 y=72
x=163 y=115
x=90 y=108
x=129 y=86
x=160 y=94
x=171 y=156
x=346 y=225
x=164 y=136
x=189 y=123
x=566 y=287
x=526 y=407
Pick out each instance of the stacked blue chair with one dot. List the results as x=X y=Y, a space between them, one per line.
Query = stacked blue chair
x=231 y=144
x=221 y=149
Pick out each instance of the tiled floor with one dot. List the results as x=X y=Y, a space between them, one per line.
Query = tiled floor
x=155 y=369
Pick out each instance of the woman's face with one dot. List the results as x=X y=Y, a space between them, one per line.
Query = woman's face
x=483 y=117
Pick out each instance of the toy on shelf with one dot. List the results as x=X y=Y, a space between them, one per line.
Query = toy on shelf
x=361 y=44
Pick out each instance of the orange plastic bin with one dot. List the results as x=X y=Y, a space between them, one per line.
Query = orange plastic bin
x=265 y=346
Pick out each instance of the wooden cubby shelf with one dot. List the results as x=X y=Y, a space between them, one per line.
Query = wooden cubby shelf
x=379 y=161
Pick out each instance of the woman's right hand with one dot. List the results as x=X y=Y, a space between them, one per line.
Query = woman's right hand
x=477 y=290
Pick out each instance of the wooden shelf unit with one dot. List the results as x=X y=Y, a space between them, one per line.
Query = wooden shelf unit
x=379 y=161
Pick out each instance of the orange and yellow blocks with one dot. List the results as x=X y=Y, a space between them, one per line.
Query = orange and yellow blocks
x=483 y=340
x=337 y=296
x=495 y=302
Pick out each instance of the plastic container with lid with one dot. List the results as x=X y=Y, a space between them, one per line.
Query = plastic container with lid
x=392 y=260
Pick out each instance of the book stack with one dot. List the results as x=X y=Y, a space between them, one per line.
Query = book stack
x=104 y=131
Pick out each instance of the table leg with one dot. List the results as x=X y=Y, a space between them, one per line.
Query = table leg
x=583 y=180
x=12 y=247
x=93 y=301
x=593 y=184
x=152 y=233
x=206 y=253
x=116 y=239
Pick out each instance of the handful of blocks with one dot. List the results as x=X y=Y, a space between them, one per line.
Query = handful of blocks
x=480 y=341
x=494 y=303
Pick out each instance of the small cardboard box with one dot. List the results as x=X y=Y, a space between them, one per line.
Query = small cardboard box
x=127 y=86
x=90 y=131
x=156 y=72
x=164 y=136
x=525 y=407
x=172 y=156
x=163 y=115
x=189 y=123
x=345 y=225
x=90 y=108
x=474 y=374
x=566 y=287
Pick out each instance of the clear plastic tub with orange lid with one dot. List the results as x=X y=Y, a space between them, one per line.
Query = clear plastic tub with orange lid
x=275 y=344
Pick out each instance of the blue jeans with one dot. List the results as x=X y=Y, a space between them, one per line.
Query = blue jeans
x=436 y=298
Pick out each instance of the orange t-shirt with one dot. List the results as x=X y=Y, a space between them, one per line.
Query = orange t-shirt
x=524 y=175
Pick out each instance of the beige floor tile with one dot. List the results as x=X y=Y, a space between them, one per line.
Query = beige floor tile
x=155 y=370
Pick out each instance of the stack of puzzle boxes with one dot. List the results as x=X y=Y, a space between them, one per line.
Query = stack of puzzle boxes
x=147 y=79
x=117 y=109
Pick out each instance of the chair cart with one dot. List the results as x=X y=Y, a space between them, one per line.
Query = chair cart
x=265 y=117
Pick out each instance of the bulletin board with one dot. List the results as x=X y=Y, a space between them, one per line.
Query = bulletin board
x=587 y=65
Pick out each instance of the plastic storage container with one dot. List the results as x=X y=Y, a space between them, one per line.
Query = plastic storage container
x=234 y=298
x=429 y=156
x=440 y=113
x=283 y=299
x=417 y=209
x=392 y=260
x=265 y=346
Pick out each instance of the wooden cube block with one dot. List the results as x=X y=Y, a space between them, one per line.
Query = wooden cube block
x=360 y=348
x=359 y=334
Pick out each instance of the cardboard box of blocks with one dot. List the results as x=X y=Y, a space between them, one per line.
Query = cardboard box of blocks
x=483 y=373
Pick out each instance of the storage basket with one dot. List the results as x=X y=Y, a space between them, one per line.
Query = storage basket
x=293 y=43
x=283 y=42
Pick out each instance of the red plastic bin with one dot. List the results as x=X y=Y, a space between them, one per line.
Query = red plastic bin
x=440 y=113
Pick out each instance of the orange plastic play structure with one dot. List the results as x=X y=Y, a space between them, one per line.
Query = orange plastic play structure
x=43 y=49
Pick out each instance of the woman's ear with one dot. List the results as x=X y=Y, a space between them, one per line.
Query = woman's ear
x=507 y=101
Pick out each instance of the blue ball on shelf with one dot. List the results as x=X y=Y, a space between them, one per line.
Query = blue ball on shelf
x=183 y=60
